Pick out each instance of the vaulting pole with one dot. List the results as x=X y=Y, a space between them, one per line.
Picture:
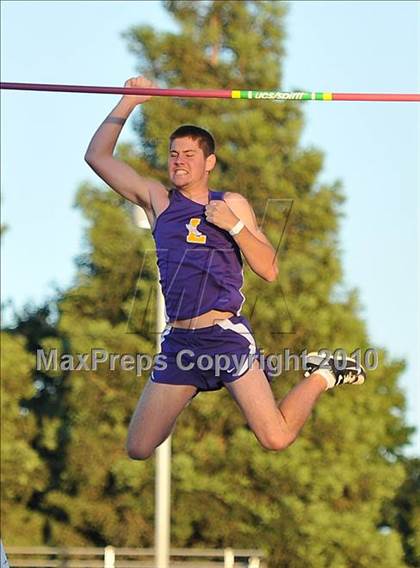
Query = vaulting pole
x=218 y=93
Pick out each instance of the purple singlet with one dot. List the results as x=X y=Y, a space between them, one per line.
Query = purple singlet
x=200 y=265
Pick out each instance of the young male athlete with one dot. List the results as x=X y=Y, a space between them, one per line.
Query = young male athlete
x=201 y=236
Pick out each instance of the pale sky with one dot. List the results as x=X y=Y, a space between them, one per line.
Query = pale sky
x=331 y=46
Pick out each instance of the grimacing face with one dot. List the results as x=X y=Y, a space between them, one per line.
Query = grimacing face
x=187 y=165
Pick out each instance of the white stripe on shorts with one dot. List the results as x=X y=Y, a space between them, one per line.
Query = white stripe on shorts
x=165 y=333
x=244 y=331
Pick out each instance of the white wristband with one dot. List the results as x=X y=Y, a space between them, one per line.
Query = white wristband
x=237 y=228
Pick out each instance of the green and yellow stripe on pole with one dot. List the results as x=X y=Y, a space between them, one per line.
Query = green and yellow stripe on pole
x=282 y=96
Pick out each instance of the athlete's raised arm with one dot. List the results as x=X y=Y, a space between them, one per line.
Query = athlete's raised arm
x=118 y=175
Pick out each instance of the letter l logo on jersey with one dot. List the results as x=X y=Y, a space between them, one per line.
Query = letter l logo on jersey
x=194 y=235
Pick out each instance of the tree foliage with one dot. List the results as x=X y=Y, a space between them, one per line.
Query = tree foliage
x=321 y=503
x=23 y=470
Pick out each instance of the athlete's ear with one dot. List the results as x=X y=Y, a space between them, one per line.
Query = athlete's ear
x=210 y=162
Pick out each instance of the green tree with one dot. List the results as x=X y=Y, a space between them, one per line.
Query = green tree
x=23 y=471
x=321 y=503
x=333 y=482
x=99 y=496
x=403 y=513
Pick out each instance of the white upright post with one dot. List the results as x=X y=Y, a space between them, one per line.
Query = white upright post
x=3 y=560
x=163 y=470
x=163 y=452
x=229 y=559
x=109 y=557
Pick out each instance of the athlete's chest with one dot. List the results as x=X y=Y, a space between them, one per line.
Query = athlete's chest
x=183 y=224
x=185 y=228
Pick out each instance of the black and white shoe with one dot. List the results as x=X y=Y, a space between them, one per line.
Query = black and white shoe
x=338 y=370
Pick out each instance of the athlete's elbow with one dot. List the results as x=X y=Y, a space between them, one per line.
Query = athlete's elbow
x=272 y=274
x=271 y=277
x=89 y=159
x=93 y=157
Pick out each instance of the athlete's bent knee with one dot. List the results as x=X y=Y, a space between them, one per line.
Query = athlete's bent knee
x=138 y=453
x=277 y=443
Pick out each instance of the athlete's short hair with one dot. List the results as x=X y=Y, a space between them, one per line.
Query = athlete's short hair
x=205 y=139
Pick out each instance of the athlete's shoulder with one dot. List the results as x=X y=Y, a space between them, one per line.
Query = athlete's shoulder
x=234 y=195
x=235 y=198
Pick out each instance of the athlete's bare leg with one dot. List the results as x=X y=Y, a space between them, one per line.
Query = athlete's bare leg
x=276 y=426
x=155 y=416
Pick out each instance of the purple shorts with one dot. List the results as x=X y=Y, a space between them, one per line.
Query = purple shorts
x=206 y=357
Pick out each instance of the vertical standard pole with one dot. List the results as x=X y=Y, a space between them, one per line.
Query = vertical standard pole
x=163 y=469
x=163 y=452
x=109 y=557
x=229 y=558
x=4 y=562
